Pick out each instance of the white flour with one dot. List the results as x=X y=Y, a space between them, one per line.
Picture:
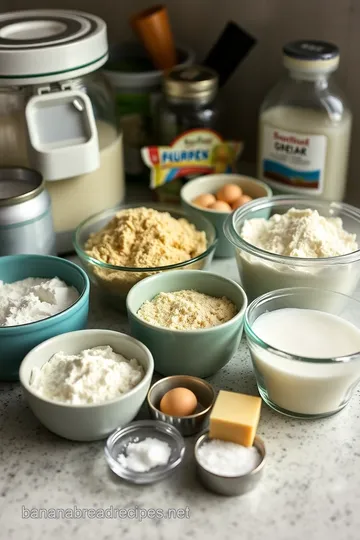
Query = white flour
x=33 y=299
x=300 y=233
x=92 y=376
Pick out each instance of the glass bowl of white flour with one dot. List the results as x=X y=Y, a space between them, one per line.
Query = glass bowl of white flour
x=284 y=241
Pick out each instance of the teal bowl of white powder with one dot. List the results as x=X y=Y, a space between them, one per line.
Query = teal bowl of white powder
x=84 y=385
x=40 y=297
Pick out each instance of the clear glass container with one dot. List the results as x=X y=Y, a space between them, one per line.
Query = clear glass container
x=96 y=190
x=299 y=386
x=188 y=103
x=114 y=282
x=177 y=115
x=136 y=432
x=305 y=125
x=261 y=271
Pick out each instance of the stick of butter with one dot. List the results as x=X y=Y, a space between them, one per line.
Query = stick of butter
x=235 y=418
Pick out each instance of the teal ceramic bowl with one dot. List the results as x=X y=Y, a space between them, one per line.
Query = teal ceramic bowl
x=17 y=341
x=188 y=352
x=211 y=184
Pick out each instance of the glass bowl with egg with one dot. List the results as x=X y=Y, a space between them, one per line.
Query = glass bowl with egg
x=214 y=196
x=121 y=246
x=287 y=241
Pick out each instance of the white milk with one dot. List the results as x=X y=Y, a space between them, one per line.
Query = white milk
x=304 y=387
x=326 y=136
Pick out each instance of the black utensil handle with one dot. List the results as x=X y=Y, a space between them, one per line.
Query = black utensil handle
x=231 y=48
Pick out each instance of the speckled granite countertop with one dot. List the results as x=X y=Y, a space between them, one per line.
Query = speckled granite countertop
x=311 y=489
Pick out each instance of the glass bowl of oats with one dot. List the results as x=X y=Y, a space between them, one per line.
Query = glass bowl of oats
x=123 y=245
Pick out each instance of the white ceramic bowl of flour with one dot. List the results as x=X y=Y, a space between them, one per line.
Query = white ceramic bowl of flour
x=89 y=421
x=262 y=271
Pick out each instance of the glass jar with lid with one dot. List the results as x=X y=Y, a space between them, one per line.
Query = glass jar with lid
x=305 y=125
x=188 y=102
x=57 y=112
x=188 y=112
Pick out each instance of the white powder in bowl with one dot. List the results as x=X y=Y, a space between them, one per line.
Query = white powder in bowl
x=145 y=455
x=92 y=376
x=227 y=458
x=34 y=299
x=300 y=233
x=187 y=310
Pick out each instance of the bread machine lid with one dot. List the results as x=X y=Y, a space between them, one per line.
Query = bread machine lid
x=46 y=45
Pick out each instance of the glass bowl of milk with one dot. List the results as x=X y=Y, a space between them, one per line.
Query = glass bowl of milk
x=305 y=350
x=262 y=270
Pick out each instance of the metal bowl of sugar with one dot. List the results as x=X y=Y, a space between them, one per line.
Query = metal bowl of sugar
x=218 y=482
x=145 y=451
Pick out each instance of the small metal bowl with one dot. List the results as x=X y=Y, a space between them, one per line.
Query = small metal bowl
x=187 y=425
x=230 y=485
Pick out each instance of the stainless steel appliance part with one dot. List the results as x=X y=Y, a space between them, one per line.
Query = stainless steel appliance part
x=26 y=224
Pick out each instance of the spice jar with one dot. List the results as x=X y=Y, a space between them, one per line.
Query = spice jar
x=188 y=102
x=186 y=131
x=305 y=125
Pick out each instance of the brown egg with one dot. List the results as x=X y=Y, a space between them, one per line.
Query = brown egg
x=220 y=206
x=204 y=200
x=178 y=402
x=229 y=193
x=241 y=201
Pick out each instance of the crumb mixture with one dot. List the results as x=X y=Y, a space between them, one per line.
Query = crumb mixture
x=300 y=233
x=187 y=310
x=146 y=238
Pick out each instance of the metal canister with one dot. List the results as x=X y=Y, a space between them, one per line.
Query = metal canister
x=26 y=224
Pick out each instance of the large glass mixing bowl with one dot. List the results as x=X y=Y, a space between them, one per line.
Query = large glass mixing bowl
x=261 y=271
x=114 y=282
